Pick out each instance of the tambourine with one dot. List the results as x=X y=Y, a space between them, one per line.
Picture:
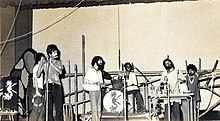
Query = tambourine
x=37 y=100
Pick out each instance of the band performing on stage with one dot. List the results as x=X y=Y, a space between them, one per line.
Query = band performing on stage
x=173 y=96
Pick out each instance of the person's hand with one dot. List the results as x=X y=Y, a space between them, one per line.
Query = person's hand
x=140 y=84
x=50 y=60
x=38 y=93
x=182 y=81
x=165 y=78
x=103 y=85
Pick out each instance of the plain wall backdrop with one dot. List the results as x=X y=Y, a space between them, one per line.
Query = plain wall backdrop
x=144 y=33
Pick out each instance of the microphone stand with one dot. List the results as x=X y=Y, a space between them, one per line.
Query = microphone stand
x=147 y=80
x=125 y=99
x=145 y=87
x=168 y=100
x=47 y=91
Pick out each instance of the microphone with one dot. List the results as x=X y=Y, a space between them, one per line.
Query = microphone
x=133 y=66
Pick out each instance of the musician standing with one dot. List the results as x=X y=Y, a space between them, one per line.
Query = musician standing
x=53 y=70
x=174 y=78
x=192 y=79
x=38 y=107
x=93 y=83
x=132 y=86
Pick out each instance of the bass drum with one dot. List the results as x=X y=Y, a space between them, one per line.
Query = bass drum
x=113 y=101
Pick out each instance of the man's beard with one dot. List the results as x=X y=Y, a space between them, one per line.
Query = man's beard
x=100 y=66
x=168 y=67
x=191 y=74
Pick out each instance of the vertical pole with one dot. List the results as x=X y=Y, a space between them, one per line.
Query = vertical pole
x=146 y=94
x=83 y=71
x=47 y=91
x=69 y=110
x=119 y=41
x=76 y=91
x=200 y=64
x=27 y=107
x=168 y=100
x=197 y=107
x=186 y=64
x=69 y=83
x=125 y=101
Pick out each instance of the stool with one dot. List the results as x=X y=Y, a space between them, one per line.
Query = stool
x=10 y=114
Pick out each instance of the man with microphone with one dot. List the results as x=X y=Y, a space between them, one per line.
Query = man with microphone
x=132 y=86
x=53 y=70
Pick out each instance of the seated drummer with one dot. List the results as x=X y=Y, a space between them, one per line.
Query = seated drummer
x=132 y=86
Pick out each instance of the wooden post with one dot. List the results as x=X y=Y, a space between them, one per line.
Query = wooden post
x=200 y=64
x=76 y=92
x=83 y=72
x=186 y=64
x=70 y=116
x=69 y=83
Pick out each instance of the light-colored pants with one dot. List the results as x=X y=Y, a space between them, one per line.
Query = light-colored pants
x=185 y=110
x=95 y=101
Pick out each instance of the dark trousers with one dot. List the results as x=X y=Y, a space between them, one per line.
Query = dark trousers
x=55 y=99
x=29 y=93
x=139 y=99
x=37 y=114
x=174 y=112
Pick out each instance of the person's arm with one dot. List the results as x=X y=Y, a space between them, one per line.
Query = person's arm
x=133 y=78
x=40 y=69
x=36 y=86
x=181 y=77
x=58 y=67
x=35 y=82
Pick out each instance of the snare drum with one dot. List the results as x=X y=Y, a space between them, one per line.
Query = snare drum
x=113 y=101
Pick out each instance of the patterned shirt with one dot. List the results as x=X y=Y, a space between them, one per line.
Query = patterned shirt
x=93 y=80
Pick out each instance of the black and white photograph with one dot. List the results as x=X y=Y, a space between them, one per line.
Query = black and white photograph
x=109 y=60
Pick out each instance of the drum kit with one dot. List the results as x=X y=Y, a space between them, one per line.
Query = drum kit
x=113 y=100
x=116 y=99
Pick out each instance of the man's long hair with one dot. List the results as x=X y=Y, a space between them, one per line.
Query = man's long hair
x=96 y=59
x=38 y=57
x=167 y=59
x=127 y=63
x=51 y=48
x=191 y=66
